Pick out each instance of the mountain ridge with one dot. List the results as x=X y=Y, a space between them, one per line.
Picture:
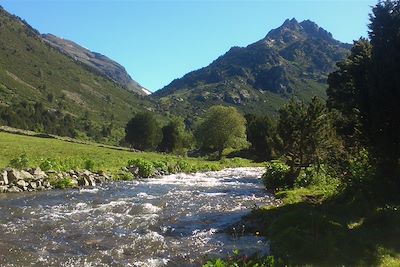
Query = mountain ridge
x=98 y=62
x=291 y=60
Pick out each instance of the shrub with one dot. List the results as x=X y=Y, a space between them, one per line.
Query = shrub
x=276 y=175
x=146 y=168
x=312 y=176
x=183 y=166
x=63 y=183
x=20 y=162
x=88 y=164
x=124 y=176
x=161 y=166
x=49 y=164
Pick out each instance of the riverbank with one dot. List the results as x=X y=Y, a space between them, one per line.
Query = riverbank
x=313 y=228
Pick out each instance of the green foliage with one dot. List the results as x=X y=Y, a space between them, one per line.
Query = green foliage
x=276 y=175
x=20 y=162
x=49 y=164
x=307 y=135
x=365 y=90
x=314 y=176
x=176 y=139
x=146 y=168
x=261 y=134
x=221 y=128
x=238 y=260
x=143 y=131
x=89 y=164
x=124 y=176
x=67 y=182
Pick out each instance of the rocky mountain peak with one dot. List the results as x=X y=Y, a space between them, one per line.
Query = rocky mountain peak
x=291 y=30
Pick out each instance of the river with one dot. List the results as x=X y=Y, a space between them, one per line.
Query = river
x=174 y=220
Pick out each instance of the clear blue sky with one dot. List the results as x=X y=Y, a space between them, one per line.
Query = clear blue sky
x=158 y=41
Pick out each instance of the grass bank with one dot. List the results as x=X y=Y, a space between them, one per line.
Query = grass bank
x=69 y=155
x=315 y=228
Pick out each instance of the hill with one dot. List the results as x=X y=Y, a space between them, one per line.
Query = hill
x=292 y=60
x=40 y=86
x=100 y=63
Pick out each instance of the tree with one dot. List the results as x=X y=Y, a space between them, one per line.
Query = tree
x=221 y=128
x=260 y=131
x=175 y=137
x=143 y=131
x=306 y=134
x=382 y=118
x=347 y=91
x=368 y=84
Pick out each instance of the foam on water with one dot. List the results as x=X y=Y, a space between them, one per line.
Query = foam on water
x=173 y=220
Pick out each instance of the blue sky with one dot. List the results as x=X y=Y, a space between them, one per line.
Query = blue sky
x=158 y=41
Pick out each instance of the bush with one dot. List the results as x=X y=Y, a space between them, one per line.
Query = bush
x=124 y=176
x=67 y=182
x=184 y=166
x=20 y=162
x=49 y=164
x=161 y=166
x=312 y=176
x=276 y=175
x=88 y=164
x=146 y=168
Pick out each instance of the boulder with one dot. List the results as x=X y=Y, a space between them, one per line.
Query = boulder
x=13 y=175
x=3 y=189
x=14 y=189
x=46 y=184
x=21 y=183
x=32 y=185
x=92 y=181
x=4 y=178
x=38 y=173
x=83 y=181
x=26 y=176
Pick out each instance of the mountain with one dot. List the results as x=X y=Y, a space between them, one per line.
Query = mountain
x=32 y=71
x=100 y=63
x=292 y=60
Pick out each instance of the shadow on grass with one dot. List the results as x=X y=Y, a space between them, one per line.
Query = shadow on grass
x=334 y=232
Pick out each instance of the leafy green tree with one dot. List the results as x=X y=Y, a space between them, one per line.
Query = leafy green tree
x=306 y=134
x=143 y=131
x=261 y=132
x=221 y=128
x=176 y=139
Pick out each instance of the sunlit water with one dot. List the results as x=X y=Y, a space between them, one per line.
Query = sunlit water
x=175 y=220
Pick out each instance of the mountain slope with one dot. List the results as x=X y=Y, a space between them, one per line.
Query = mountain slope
x=100 y=63
x=292 y=60
x=33 y=71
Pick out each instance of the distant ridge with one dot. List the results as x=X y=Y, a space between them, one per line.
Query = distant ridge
x=100 y=63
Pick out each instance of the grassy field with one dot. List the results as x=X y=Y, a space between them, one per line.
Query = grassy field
x=71 y=155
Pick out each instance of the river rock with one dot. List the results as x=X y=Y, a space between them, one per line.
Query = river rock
x=13 y=175
x=32 y=185
x=3 y=189
x=4 y=178
x=14 y=189
x=46 y=184
x=38 y=173
x=26 y=176
x=83 y=181
x=92 y=182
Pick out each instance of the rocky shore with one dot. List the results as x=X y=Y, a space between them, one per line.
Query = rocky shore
x=34 y=179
